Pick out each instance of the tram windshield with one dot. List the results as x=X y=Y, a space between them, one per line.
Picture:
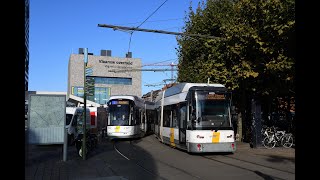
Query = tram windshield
x=119 y=113
x=211 y=110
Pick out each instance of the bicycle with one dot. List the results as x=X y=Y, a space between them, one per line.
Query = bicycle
x=275 y=137
x=287 y=140
x=91 y=143
x=265 y=131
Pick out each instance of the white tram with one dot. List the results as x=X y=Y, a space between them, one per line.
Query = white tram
x=195 y=117
x=126 y=117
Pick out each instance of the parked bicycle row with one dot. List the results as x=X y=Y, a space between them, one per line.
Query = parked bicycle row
x=272 y=136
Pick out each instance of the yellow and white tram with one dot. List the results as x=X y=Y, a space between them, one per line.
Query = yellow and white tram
x=195 y=117
x=125 y=116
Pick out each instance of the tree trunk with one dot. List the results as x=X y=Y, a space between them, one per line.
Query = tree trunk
x=239 y=128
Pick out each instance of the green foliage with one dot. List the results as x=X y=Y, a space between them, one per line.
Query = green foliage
x=253 y=51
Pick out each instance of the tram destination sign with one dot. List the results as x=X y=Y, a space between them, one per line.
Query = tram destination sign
x=216 y=96
x=120 y=102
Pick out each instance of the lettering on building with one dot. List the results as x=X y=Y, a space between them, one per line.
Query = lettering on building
x=115 y=62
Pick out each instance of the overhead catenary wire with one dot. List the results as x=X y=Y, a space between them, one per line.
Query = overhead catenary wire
x=163 y=20
x=143 y=23
x=157 y=31
x=134 y=70
x=159 y=62
x=152 y=13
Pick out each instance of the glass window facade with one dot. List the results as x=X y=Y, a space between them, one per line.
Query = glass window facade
x=101 y=94
x=77 y=91
x=113 y=80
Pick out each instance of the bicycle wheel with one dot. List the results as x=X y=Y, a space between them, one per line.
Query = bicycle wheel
x=268 y=143
x=80 y=151
x=287 y=141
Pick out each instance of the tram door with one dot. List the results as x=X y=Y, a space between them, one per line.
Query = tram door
x=157 y=128
x=182 y=118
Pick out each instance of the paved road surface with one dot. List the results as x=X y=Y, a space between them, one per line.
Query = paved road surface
x=147 y=158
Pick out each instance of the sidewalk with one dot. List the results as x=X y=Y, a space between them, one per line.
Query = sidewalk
x=276 y=151
x=46 y=162
x=277 y=158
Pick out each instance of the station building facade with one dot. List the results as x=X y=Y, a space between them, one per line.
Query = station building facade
x=111 y=75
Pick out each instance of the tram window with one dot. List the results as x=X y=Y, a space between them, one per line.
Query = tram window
x=174 y=116
x=154 y=117
x=158 y=116
x=183 y=112
x=166 y=120
x=166 y=116
x=137 y=117
x=156 y=121
x=174 y=121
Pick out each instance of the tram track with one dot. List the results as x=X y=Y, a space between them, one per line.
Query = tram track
x=248 y=169
x=254 y=170
x=136 y=162
x=131 y=153
x=246 y=161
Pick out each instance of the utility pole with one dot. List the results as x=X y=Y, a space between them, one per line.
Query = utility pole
x=154 y=31
x=84 y=149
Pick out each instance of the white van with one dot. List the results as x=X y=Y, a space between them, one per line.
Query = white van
x=73 y=122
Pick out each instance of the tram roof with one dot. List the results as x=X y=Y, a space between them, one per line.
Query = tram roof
x=184 y=87
x=130 y=97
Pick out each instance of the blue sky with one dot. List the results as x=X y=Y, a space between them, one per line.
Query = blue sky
x=60 y=27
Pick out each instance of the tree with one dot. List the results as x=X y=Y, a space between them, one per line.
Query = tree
x=254 y=54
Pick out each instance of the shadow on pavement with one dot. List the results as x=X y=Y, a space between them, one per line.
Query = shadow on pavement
x=264 y=176
x=275 y=158
x=209 y=153
x=42 y=153
x=103 y=162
